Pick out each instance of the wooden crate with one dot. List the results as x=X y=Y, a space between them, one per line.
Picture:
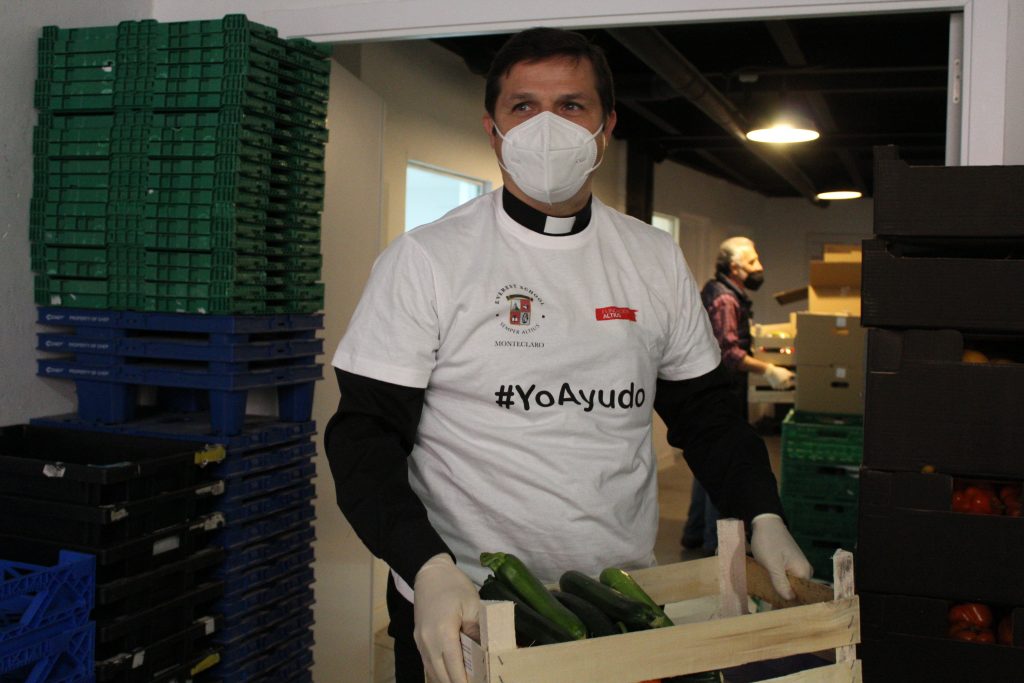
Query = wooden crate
x=821 y=618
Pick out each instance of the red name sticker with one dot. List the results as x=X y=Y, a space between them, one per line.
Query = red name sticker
x=615 y=313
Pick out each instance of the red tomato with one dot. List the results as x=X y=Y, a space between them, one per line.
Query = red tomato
x=1009 y=491
x=972 y=613
x=982 y=502
x=960 y=501
x=962 y=630
x=1005 y=630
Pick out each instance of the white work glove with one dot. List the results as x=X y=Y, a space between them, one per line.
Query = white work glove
x=776 y=551
x=779 y=378
x=445 y=602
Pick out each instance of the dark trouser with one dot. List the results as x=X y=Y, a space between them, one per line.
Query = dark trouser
x=408 y=665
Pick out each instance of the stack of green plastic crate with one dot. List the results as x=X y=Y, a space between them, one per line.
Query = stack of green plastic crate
x=179 y=167
x=821 y=457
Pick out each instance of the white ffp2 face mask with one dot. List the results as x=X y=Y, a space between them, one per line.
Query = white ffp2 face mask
x=549 y=157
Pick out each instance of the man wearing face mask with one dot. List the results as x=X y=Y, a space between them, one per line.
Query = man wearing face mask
x=737 y=269
x=499 y=375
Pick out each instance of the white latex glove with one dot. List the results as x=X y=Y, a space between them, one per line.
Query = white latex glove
x=779 y=378
x=446 y=602
x=776 y=551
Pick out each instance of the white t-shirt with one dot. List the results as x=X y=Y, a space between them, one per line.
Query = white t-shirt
x=539 y=356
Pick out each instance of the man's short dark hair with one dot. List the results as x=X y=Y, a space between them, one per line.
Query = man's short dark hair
x=535 y=44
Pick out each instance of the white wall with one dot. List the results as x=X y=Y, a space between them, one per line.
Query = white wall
x=24 y=395
x=785 y=230
x=350 y=241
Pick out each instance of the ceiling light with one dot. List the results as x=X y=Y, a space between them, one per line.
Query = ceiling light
x=784 y=132
x=838 y=194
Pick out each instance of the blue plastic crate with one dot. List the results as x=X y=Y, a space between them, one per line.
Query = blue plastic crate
x=265 y=593
x=199 y=349
x=251 y=509
x=269 y=550
x=65 y=656
x=287 y=660
x=108 y=394
x=240 y=464
x=178 y=322
x=33 y=597
x=242 y=626
x=239 y=489
x=290 y=626
x=257 y=431
x=240 y=583
x=237 y=535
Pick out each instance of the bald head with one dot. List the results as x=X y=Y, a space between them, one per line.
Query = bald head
x=731 y=251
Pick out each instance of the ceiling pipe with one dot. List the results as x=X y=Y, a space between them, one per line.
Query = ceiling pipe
x=652 y=48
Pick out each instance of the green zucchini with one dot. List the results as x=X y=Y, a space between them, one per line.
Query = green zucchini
x=511 y=571
x=634 y=614
x=531 y=627
x=620 y=580
x=597 y=622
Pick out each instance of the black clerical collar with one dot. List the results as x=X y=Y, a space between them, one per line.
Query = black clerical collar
x=535 y=220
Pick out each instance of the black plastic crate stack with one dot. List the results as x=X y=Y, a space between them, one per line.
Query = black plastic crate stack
x=46 y=633
x=179 y=168
x=944 y=389
x=142 y=511
x=262 y=528
x=203 y=368
x=821 y=456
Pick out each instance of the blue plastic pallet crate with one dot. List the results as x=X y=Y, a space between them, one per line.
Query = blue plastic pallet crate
x=296 y=540
x=109 y=394
x=241 y=464
x=65 y=656
x=266 y=592
x=285 y=661
x=262 y=483
x=241 y=582
x=238 y=535
x=204 y=349
x=252 y=509
x=33 y=598
x=288 y=628
x=178 y=322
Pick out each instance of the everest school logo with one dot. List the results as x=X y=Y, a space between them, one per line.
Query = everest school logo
x=518 y=309
x=519 y=306
x=615 y=313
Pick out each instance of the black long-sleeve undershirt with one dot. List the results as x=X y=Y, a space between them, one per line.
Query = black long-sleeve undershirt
x=371 y=436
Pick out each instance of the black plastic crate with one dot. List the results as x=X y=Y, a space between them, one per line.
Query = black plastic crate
x=904 y=638
x=175 y=657
x=143 y=591
x=101 y=524
x=139 y=629
x=959 y=201
x=926 y=407
x=120 y=561
x=940 y=553
x=913 y=285
x=93 y=468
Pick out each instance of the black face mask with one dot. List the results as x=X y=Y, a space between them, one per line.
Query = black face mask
x=754 y=281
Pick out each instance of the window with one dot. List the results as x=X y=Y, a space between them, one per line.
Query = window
x=432 y=192
x=669 y=224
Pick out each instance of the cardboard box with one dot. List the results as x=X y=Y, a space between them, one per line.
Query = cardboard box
x=924 y=406
x=936 y=201
x=834 y=282
x=904 y=638
x=908 y=288
x=830 y=371
x=910 y=542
